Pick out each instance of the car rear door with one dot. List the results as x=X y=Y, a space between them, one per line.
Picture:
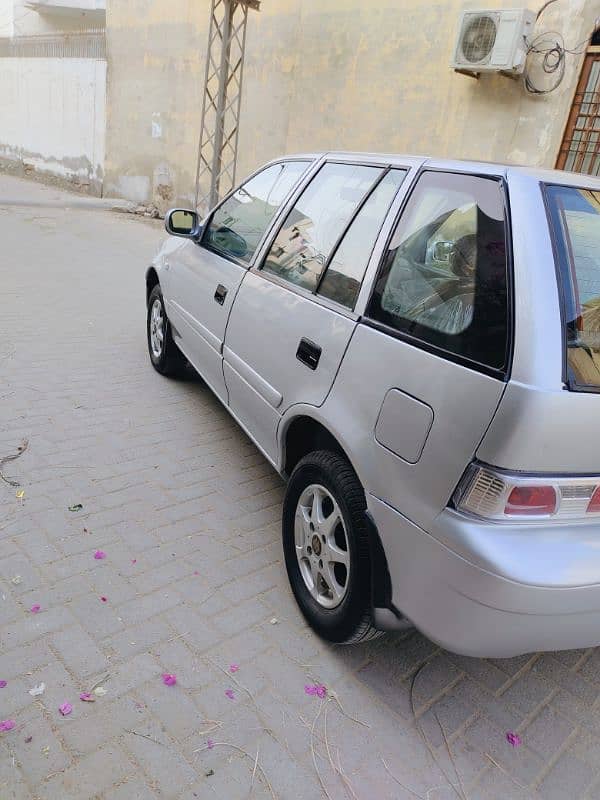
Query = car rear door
x=428 y=362
x=294 y=313
x=203 y=277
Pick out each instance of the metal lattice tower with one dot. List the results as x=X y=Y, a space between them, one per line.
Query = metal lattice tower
x=219 y=126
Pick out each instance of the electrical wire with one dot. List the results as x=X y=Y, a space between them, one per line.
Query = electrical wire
x=553 y=58
x=543 y=8
x=550 y=46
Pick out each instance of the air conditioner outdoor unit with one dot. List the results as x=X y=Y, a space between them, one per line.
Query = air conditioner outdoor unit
x=493 y=41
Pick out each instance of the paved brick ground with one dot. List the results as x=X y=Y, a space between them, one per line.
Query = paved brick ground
x=187 y=512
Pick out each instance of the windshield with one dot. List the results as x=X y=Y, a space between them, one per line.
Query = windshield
x=575 y=217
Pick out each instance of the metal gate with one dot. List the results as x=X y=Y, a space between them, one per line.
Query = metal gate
x=580 y=149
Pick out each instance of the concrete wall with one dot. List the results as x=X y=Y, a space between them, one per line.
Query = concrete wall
x=6 y=17
x=156 y=61
x=53 y=116
x=344 y=74
x=18 y=19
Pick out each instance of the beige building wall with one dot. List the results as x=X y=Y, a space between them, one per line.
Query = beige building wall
x=344 y=74
x=156 y=53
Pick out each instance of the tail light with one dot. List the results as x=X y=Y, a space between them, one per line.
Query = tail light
x=498 y=495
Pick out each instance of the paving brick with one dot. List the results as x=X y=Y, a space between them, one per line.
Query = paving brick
x=35 y=761
x=173 y=706
x=134 y=788
x=551 y=669
x=138 y=638
x=197 y=630
x=505 y=716
x=132 y=673
x=168 y=771
x=520 y=762
x=105 y=719
x=25 y=658
x=90 y=776
x=296 y=780
x=99 y=619
x=19 y=565
x=241 y=617
x=482 y=671
x=78 y=651
x=34 y=626
x=576 y=711
x=590 y=669
x=446 y=716
x=569 y=777
x=548 y=733
x=528 y=692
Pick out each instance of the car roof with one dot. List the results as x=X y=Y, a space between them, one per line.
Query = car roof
x=540 y=174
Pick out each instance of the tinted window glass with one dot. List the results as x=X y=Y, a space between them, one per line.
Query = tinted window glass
x=239 y=224
x=576 y=220
x=346 y=269
x=313 y=226
x=444 y=277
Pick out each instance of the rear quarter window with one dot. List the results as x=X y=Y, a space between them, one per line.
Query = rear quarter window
x=443 y=280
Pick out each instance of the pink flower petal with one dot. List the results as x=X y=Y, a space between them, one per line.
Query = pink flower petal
x=65 y=709
x=3 y=684
x=35 y=609
x=134 y=560
x=169 y=679
x=99 y=555
x=316 y=689
x=210 y=744
x=104 y=599
x=513 y=739
x=233 y=668
x=7 y=724
x=86 y=697
x=230 y=694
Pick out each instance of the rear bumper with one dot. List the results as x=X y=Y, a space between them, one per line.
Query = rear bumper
x=478 y=590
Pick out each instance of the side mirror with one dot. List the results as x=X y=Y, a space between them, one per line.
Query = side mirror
x=181 y=222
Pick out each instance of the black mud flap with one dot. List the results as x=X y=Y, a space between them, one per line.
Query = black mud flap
x=385 y=615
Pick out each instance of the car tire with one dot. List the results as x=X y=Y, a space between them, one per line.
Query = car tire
x=343 y=614
x=165 y=356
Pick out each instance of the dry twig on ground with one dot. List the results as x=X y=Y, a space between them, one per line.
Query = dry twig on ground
x=6 y=459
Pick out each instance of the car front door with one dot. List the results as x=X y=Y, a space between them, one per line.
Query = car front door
x=205 y=276
x=293 y=316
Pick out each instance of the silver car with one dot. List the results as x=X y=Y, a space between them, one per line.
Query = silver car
x=414 y=345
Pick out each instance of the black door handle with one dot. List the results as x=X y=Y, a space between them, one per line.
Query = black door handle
x=220 y=294
x=308 y=353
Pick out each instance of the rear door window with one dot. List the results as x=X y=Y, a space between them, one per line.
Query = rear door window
x=315 y=224
x=443 y=281
x=238 y=224
x=575 y=217
x=347 y=266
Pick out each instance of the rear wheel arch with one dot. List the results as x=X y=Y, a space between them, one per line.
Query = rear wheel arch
x=302 y=436
x=151 y=281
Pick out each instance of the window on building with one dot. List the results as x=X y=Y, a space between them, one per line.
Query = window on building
x=312 y=228
x=580 y=148
x=443 y=280
x=238 y=225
